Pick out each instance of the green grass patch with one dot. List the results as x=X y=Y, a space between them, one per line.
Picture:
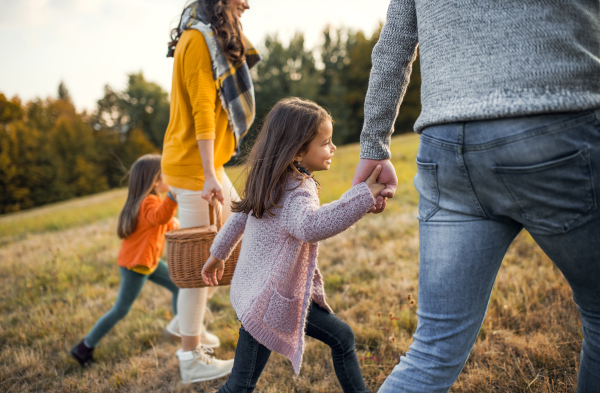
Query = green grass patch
x=62 y=215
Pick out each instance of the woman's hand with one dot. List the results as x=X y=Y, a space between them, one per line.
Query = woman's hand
x=213 y=271
x=371 y=181
x=206 y=147
x=212 y=187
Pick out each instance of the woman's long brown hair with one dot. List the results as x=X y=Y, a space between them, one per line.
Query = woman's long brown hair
x=227 y=26
x=142 y=177
x=287 y=131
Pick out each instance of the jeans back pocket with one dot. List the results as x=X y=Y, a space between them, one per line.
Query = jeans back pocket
x=554 y=196
x=426 y=183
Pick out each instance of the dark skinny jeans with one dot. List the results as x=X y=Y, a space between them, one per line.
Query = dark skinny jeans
x=131 y=285
x=251 y=356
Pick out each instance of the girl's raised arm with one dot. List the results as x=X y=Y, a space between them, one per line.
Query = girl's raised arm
x=306 y=220
x=158 y=213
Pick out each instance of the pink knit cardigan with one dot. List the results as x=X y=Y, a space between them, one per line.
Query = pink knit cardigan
x=277 y=274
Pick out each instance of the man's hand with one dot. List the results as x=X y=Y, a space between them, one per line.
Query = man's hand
x=387 y=176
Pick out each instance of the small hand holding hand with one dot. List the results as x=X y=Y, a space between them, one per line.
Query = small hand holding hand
x=213 y=271
x=387 y=176
x=374 y=187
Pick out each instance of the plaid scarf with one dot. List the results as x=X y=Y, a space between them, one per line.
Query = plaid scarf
x=234 y=83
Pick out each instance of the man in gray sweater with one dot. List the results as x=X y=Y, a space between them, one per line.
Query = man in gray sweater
x=510 y=139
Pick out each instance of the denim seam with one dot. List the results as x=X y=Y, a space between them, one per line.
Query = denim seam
x=255 y=348
x=591 y=167
x=436 y=207
x=465 y=173
x=533 y=133
x=438 y=143
x=597 y=113
x=565 y=227
x=500 y=142
x=338 y=341
x=543 y=166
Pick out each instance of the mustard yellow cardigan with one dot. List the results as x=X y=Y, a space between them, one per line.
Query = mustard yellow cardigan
x=196 y=114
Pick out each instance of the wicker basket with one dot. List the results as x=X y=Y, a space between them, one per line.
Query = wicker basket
x=189 y=248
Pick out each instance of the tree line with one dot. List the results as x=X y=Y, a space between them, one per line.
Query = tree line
x=50 y=152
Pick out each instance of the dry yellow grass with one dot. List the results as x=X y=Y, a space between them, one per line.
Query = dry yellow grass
x=55 y=283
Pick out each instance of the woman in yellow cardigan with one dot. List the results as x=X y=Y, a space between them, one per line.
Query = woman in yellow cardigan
x=212 y=107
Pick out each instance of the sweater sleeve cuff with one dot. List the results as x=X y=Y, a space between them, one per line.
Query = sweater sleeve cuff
x=365 y=195
x=373 y=148
x=172 y=204
x=220 y=252
x=171 y=197
x=201 y=136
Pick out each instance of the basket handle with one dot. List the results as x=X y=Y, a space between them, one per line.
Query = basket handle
x=213 y=210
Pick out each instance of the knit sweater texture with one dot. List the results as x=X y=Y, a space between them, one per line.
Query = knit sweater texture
x=277 y=274
x=481 y=60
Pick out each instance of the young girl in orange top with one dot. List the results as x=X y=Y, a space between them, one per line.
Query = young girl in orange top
x=142 y=225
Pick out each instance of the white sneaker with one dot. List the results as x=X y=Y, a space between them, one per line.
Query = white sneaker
x=206 y=338
x=209 y=340
x=198 y=365
x=173 y=327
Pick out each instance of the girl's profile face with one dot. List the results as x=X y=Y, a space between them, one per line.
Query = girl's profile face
x=237 y=7
x=320 y=151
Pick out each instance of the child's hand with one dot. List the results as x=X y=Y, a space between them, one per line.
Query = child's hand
x=375 y=187
x=175 y=223
x=213 y=270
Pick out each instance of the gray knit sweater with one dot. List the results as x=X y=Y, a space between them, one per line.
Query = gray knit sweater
x=482 y=59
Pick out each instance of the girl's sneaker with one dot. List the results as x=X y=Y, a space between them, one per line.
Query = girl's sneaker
x=199 y=365
x=83 y=354
x=206 y=338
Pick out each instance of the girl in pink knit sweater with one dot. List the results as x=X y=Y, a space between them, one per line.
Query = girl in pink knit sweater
x=277 y=288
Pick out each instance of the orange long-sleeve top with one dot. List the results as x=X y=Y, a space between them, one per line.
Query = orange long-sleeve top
x=196 y=114
x=144 y=247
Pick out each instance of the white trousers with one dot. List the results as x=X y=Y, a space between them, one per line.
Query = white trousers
x=193 y=212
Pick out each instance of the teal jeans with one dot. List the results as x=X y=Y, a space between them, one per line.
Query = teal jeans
x=131 y=285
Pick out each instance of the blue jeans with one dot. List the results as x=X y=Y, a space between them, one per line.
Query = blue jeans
x=251 y=356
x=480 y=183
x=131 y=285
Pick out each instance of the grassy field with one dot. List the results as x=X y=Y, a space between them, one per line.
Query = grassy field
x=58 y=275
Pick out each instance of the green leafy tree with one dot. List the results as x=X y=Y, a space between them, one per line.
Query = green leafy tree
x=48 y=153
x=63 y=92
x=13 y=143
x=143 y=104
x=285 y=71
x=338 y=82
x=346 y=58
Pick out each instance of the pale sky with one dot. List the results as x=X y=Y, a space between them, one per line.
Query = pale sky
x=91 y=43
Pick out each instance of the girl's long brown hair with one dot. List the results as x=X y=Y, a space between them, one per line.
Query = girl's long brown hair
x=142 y=177
x=226 y=25
x=287 y=131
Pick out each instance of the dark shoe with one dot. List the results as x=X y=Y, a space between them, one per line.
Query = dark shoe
x=83 y=354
